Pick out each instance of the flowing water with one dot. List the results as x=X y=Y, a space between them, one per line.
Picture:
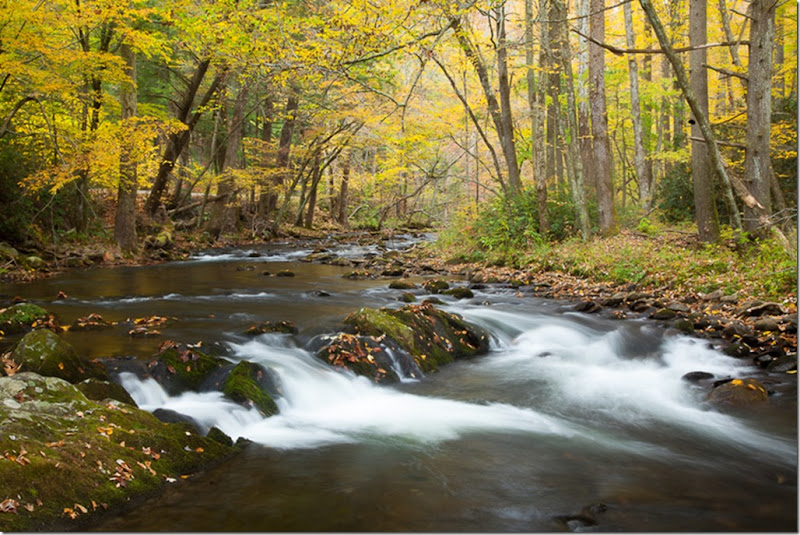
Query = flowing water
x=570 y=422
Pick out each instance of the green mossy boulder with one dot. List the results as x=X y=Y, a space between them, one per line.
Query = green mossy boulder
x=432 y=336
x=64 y=457
x=435 y=286
x=179 y=368
x=739 y=393
x=283 y=327
x=248 y=383
x=20 y=317
x=460 y=292
x=44 y=352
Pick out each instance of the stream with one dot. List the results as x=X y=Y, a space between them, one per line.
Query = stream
x=571 y=422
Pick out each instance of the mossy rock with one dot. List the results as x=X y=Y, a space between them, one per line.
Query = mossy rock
x=70 y=453
x=179 y=368
x=402 y=285
x=369 y=357
x=97 y=390
x=432 y=336
x=435 y=286
x=739 y=393
x=8 y=253
x=459 y=293
x=407 y=297
x=44 y=352
x=282 y=327
x=20 y=317
x=247 y=383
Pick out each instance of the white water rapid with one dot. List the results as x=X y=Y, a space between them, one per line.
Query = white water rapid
x=612 y=388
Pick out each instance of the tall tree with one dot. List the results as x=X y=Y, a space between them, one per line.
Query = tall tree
x=602 y=165
x=757 y=162
x=536 y=109
x=125 y=216
x=644 y=172
x=702 y=180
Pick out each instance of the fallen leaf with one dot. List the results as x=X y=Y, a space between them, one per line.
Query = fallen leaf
x=9 y=506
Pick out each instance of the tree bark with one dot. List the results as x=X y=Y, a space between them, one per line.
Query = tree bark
x=704 y=204
x=501 y=118
x=574 y=164
x=125 y=216
x=220 y=219
x=757 y=160
x=536 y=108
x=705 y=126
x=643 y=170
x=282 y=158
x=504 y=87
x=584 y=113
x=602 y=165
x=341 y=203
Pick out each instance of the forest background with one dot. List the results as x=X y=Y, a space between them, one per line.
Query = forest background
x=637 y=141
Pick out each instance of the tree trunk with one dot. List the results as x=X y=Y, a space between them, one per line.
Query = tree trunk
x=574 y=164
x=316 y=177
x=757 y=160
x=705 y=126
x=282 y=158
x=501 y=118
x=602 y=165
x=176 y=143
x=536 y=109
x=220 y=219
x=584 y=115
x=125 y=216
x=704 y=205
x=341 y=204
x=643 y=170
x=550 y=32
x=507 y=120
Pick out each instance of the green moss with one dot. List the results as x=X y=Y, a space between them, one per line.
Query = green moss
x=245 y=384
x=17 y=318
x=59 y=453
x=432 y=336
x=45 y=353
x=179 y=369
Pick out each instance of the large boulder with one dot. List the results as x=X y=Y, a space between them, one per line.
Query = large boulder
x=249 y=383
x=44 y=352
x=179 y=368
x=739 y=393
x=376 y=358
x=430 y=335
x=20 y=317
x=63 y=456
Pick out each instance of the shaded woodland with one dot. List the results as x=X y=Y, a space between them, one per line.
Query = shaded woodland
x=555 y=118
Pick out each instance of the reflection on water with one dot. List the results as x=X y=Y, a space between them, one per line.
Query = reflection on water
x=566 y=411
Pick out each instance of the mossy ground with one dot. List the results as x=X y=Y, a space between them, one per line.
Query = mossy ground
x=64 y=457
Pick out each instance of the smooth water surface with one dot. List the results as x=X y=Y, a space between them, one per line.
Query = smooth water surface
x=566 y=412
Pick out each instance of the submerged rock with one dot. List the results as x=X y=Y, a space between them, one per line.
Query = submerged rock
x=283 y=327
x=432 y=336
x=739 y=392
x=46 y=353
x=21 y=317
